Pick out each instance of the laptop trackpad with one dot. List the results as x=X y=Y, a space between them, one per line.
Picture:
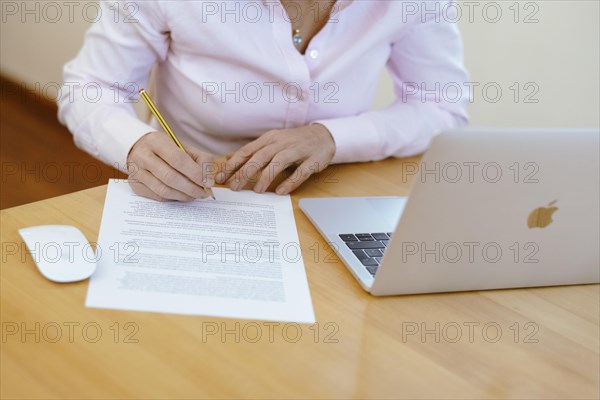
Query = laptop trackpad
x=355 y=214
x=387 y=209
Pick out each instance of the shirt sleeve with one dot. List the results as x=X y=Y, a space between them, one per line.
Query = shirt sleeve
x=101 y=83
x=429 y=84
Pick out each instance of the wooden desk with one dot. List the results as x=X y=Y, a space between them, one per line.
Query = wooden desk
x=363 y=347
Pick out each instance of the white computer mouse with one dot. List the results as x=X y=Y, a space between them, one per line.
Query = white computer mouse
x=61 y=252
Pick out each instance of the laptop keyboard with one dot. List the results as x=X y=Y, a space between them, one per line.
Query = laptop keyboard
x=367 y=247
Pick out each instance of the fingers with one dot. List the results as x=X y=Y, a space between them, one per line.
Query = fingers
x=188 y=165
x=252 y=167
x=207 y=163
x=278 y=164
x=160 y=170
x=142 y=190
x=161 y=189
x=270 y=154
x=300 y=175
x=239 y=158
x=168 y=180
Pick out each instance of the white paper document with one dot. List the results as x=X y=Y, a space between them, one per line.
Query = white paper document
x=237 y=256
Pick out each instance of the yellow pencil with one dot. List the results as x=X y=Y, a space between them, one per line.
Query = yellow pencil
x=166 y=127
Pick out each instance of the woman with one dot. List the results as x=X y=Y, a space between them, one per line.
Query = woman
x=272 y=83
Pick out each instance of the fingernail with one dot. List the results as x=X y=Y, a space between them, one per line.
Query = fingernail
x=220 y=178
x=258 y=189
x=235 y=185
x=281 y=190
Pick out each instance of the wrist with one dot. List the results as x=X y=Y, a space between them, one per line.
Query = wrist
x=326 y=135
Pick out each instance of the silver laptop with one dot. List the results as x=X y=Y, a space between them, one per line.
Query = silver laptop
x=488 y=209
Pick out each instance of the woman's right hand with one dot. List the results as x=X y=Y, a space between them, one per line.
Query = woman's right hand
x=160 y=170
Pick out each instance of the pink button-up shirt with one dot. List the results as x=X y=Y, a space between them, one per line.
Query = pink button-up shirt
x=228 y=71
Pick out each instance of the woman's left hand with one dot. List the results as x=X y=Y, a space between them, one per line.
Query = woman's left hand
x=310 y=148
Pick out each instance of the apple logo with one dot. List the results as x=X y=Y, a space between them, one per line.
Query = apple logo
x=541 y=217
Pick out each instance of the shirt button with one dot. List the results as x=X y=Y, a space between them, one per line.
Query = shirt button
x=314 y=54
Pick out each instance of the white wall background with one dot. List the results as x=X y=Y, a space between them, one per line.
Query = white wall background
x=555 y=58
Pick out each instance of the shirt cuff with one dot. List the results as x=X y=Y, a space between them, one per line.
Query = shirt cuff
x=121 y=135
x=356 y=139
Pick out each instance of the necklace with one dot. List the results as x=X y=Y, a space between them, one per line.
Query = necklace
x=297 y=38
